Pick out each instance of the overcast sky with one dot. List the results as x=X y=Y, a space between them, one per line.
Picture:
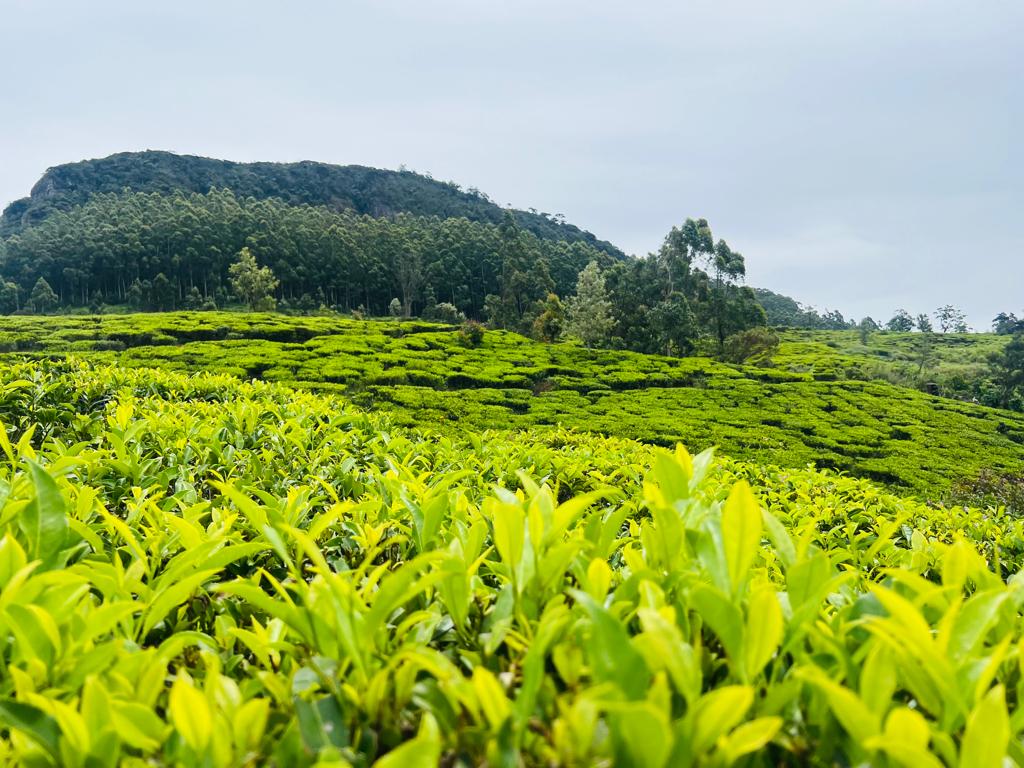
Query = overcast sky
x=863 y=155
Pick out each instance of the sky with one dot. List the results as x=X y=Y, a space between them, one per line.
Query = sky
x=863 y=155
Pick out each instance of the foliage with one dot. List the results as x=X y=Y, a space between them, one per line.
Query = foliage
x=550 y=323
x=364 y=191
x=338 y=258
x=42 y=299
x=471 y=334
x=589 y=311
x=323 y=588
x=252 y=283
x=755 y=344
x=785 y=312
x=668 y=302
x=444 y=312
x=1007 y=372
x=951 y=319
x=834 y=406
x=901 y=322
x=1007 y=323
x=953 y=365
x=992 y=489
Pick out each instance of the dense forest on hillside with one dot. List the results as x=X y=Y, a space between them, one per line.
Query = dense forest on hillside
x=336 y=257
x=372 y=191
x=163 y=252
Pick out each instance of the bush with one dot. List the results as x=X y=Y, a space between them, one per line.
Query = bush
x=444 y=313
x=471 y=334
x=753 y=344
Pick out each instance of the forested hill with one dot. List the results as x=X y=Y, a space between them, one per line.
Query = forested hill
x=371 y=191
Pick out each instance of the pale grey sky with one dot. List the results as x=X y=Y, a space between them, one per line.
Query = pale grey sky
x=863 y=155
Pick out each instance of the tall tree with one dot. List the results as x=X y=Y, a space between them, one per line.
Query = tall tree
x=951 y=319
x=900 y=322
x=728 y=266
x=252 y=283
x=42 y=299
x=589 y=311
x=550 y=323
x=1007 y=371
x=1006 y=323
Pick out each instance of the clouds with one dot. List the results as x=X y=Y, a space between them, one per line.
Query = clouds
x=841 y=129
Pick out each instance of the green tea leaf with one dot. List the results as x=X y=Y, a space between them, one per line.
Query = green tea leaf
x=741 y=533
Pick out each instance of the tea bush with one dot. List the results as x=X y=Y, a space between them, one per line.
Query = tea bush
x=422 y=373
x=198 y=571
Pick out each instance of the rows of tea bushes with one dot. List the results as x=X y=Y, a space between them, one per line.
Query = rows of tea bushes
x=954 y=365
x=197 y=571
x=790 y=415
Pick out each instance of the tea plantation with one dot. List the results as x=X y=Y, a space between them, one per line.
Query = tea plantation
x=201 y=571
x=820 y=403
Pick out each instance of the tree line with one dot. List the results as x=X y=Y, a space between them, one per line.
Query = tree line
x=172 y=246
x=164 y=252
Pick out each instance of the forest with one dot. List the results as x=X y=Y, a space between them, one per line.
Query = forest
x=157 y=252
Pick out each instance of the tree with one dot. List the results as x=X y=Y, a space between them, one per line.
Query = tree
x=550 y=323
x=866 y=327
x=901 y=322
x=395 y=307
x=1007 y=371
x=1006 y=323
x=135 y=295
x=589 y=312
x=728 y=267
x=162 y=293
x=753 y=343
x=951 y=319
x=193 y=299
x=924 y=323
x=42 y=299
x=673 y=327
x=252 y=283
x=409 y=274
x=8 y=297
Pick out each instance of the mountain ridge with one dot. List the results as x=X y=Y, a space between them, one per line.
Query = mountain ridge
x=366 y=190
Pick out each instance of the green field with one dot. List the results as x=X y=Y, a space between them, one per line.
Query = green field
x=199 y=571
x=799 y=411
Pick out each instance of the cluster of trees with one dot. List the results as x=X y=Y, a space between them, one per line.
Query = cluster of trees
x=1006 y=368
x=1007 y=324
x=163 y=252
x=669 y=302
x=947 y=319
x=784 y=312
x=171 y=251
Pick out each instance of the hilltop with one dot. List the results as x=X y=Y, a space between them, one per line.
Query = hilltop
x=371 y=191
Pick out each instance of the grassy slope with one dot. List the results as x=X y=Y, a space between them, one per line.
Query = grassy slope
x=890 y=356
x=894 y=435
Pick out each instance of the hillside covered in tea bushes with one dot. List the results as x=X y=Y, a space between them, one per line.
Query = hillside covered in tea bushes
x=826 y=399
x=200 y=571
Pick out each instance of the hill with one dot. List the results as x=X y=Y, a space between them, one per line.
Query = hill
x=791 y=415
x=372 y=191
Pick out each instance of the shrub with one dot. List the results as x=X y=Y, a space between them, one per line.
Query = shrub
x=753 y=344
x=445 y=313
x=471 y=334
